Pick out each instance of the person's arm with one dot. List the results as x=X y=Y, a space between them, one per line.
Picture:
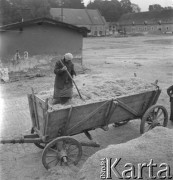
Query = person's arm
x=58 y=68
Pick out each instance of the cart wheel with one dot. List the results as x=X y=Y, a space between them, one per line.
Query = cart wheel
x=121 y=123
x=39 y=145
x=156 y=115
x=61 y=151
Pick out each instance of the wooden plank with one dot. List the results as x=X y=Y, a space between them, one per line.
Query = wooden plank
x=137 y=106
x=135 y=97
x=126 y=107
x=93 y=113
x=94 y=121
x=106 y=120
x=108 y=113
x=35 y=111
x=68 y=121
x=57 y=118
x=31 y=109
x=46 y=124
x=155 y=98
x=41 y=114
x=45 y=117
x=40 y=101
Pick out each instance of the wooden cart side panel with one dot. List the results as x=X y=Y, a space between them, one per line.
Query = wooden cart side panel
x=135 y=97
x=135 y=102
x=96 y=120
x=40 y=101
x=155 y=98
x=58 y=118
x=152 y=101
x=40 y=108
x=31 y=109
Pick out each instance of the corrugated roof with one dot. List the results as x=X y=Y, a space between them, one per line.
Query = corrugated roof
x=165 y=16
x=95 y=17
x=43 y=20
x=78 y=16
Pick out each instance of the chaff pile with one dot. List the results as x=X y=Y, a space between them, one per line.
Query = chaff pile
x=96 y=87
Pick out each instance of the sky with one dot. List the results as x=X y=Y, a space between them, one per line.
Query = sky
x=144 y=4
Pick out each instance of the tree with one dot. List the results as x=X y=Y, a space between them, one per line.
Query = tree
x=11 y=10
x=111 y=10
x=54 y=3
x=75 y=4
x=39 y=8
x=135 y=8
x=126 y=6
x=155 y=7
x=168 y=7
x=9 y=13
x=97 y=4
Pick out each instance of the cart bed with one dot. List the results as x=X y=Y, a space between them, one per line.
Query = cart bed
x=76 y=119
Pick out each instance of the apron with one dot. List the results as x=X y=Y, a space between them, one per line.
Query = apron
x=65 y=92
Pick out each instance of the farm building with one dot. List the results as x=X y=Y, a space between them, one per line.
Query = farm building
x=89 y=18
x=147 y=22
x=112 y=27
x=36 y=42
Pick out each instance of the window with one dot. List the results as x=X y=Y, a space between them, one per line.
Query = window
x=100 y=32
x=95 y=33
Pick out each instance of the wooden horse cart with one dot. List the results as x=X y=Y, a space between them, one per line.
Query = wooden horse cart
x=52 y=130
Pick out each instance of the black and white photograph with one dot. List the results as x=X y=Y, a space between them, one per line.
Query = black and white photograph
x=86 y=89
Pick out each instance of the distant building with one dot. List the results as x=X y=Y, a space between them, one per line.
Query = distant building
x=148 y=22
x=112 y=28
x=31 y=43
x=89 y=18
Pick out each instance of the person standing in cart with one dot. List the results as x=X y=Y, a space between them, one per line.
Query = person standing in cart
x=63 y=86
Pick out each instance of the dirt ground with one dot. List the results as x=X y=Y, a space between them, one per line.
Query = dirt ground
x=150 y=57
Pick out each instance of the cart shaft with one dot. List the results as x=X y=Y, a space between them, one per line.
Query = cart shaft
x=21 y=141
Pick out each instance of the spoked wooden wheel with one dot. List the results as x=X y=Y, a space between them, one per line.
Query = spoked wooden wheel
x=61 y=151
x=156 y=115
